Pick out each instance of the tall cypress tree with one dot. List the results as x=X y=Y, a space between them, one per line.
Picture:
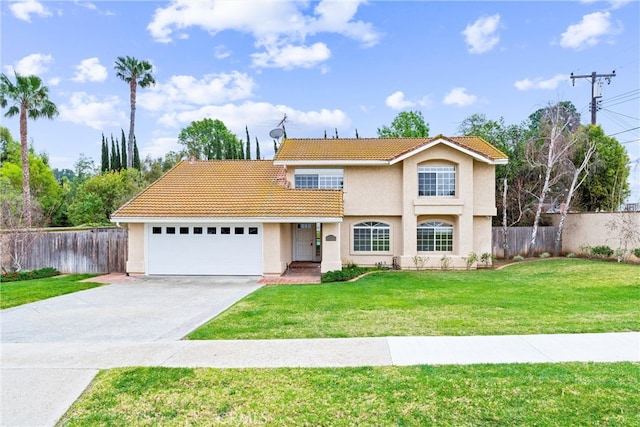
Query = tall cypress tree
x=284 y=131
x=136 y=154
x=248 y=153
x=257 y=149
x=114 y=153
x=123 y=151
x=104 y=167
x=357 y=136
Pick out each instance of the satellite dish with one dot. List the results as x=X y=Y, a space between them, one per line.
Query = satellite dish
x=276 y=133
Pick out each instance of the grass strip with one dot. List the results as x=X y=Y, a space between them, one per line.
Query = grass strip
x=545 y=297
x=22 y=292
x=593 y=394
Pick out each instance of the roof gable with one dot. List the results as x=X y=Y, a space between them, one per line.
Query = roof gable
x=372 y=151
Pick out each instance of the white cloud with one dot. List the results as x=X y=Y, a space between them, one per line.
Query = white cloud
x=615 y=4
x=221 y=52
x=54 y=81
x=34 y=64
x=481 y=35
x=88 y=110
x=540 y=83
x=397 y=101
x=236 y=116
x=280 y=27
x=160 y=146
x=459 y=96
x=589 y=31
x=23 y=9
x=289 y=57
x=90 y=70
x=183 y=92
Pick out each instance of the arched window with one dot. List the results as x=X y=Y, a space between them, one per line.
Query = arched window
x=371 y=237
x=435 y=236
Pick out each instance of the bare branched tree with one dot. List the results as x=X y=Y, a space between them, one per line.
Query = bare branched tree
x=549 y=153
x=579 y=175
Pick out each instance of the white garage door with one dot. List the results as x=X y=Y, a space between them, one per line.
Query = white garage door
x=194 y=249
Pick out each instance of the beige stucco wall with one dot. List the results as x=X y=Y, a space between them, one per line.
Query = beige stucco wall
x=135 y=258
x=594 y=229
x=330 y=247
x=484 y=189
x=276 y=249
x=373 y=190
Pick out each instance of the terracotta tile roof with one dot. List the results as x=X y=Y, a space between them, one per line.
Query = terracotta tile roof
x=373 y=149
x=227 y=189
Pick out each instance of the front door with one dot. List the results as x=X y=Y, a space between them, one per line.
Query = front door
x=304 y=242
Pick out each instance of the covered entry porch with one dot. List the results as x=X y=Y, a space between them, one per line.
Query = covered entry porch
x=303 y=241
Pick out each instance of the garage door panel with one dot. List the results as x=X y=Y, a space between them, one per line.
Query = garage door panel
x=234 y=249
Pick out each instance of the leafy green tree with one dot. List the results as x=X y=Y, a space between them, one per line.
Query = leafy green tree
x=209 y=139
x=99 y=196
x=405 y=125
x=30 y=100
x=569 y=115
x=43 y=186
x=515 y=177
x=152 y=169
x=606 y=186
x=5 y=140
x=134 y=72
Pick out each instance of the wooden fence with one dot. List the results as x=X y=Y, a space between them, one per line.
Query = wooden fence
x=99 y=250
x=519 y=239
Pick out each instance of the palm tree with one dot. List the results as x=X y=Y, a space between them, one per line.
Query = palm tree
x=31 y=100
x=135 y=73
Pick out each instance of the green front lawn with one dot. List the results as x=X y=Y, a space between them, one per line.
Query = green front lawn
x=551 y=296
x=26 y=291
x=576 y=394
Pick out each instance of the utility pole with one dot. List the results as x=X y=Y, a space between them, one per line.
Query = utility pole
x=594 y=98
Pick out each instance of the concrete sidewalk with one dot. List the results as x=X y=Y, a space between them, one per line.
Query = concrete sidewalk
x=41 y=380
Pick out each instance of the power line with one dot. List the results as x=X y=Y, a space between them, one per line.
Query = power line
x=624 y=131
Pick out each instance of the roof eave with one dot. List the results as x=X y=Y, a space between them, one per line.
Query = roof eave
x=331 y=162
x=232 y=220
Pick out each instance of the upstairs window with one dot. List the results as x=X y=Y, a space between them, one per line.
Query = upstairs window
x=435 y=236
x=437 y=181
x=371 y=237
x=319 y=178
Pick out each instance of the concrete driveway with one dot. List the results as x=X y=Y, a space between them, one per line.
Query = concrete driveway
x=137 y=310
x=143 y=309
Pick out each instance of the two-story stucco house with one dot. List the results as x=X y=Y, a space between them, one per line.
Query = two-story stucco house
x=331 y=201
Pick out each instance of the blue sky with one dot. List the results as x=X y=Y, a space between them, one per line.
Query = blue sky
x=330 y=64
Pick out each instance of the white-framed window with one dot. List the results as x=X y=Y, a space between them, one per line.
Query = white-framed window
x=436 y=181
x=331 y=179
x=435 y=236
x=371 y=237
